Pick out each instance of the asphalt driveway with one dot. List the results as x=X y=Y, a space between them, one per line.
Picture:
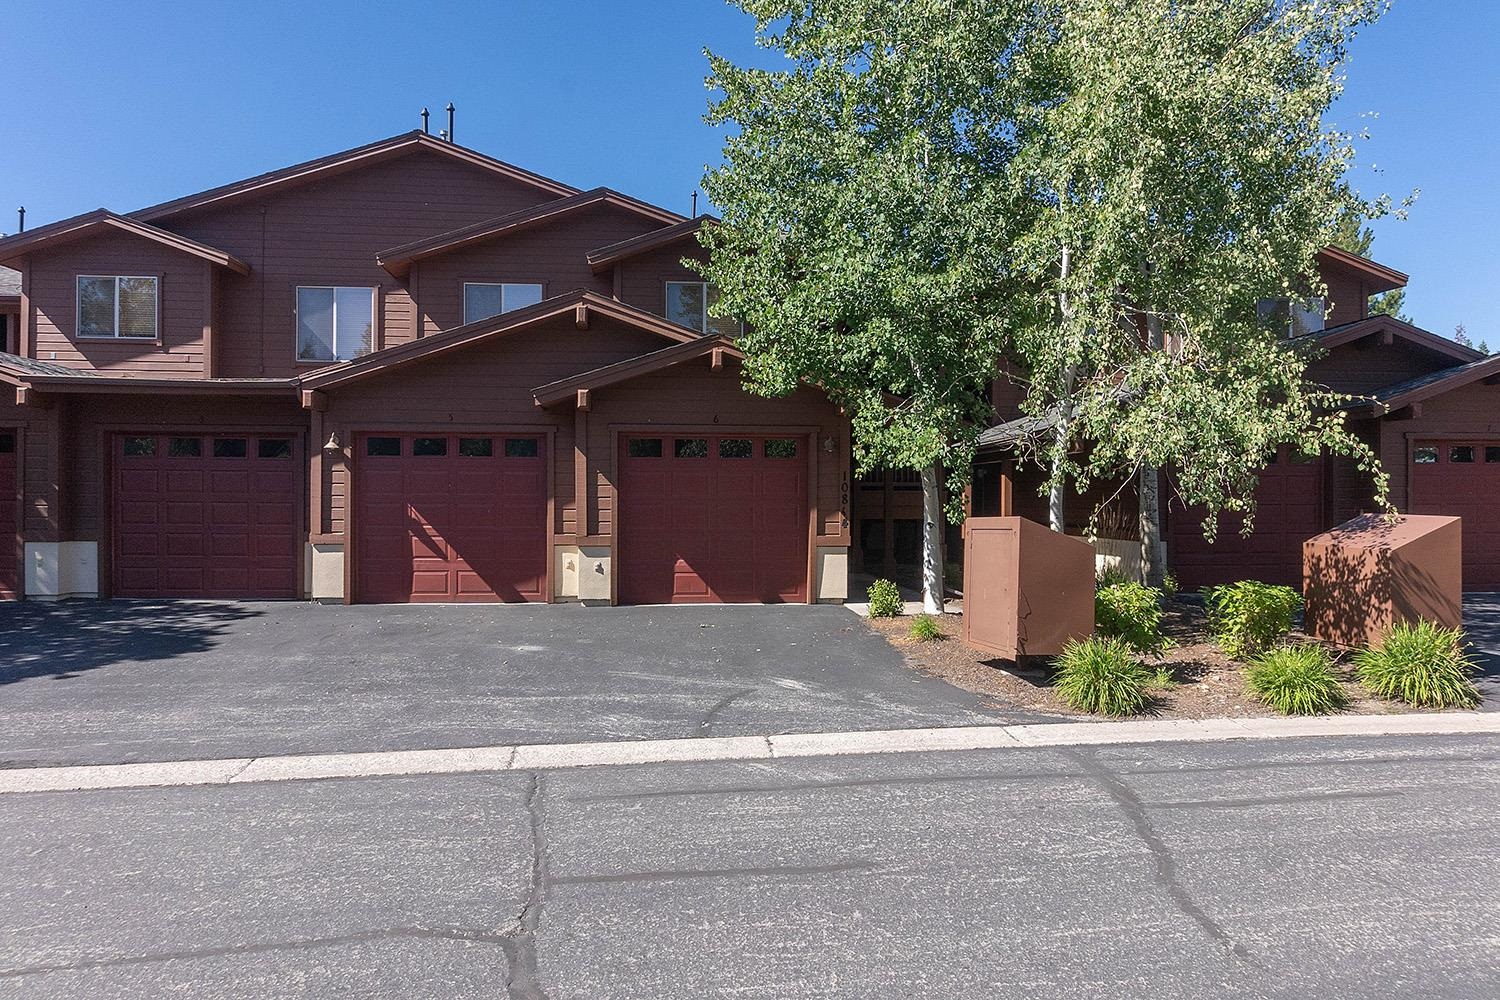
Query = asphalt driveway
x=93 y=682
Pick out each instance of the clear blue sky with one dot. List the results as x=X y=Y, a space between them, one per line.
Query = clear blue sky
x=127 y=104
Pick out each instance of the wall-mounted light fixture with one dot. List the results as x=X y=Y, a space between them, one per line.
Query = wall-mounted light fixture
x=828 y=444
x=333 y=443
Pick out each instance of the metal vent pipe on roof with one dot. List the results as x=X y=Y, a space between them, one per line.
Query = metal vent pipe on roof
x=22 y=213
x=695 y=204
x=425 y=129
x=450 y=121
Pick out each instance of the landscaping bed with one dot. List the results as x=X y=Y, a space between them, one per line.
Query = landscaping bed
x=1204 y=683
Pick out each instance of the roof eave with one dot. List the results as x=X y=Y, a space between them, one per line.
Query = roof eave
x=349 y=159
x=506 y=323
x=563 y=390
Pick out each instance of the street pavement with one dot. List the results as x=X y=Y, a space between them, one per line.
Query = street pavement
x=1314 y=867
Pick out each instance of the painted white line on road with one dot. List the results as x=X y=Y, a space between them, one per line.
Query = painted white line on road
x=551 y=756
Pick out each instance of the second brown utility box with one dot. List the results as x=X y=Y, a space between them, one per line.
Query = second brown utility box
x=1027 y=589
x=1369 y=573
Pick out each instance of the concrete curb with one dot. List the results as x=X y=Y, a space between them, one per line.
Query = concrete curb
x=469 y=760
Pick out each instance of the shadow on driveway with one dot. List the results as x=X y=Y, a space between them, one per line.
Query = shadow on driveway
x=63 y=641
x=179 y=680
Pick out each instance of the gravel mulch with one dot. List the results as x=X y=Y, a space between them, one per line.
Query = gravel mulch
x=1205 y=682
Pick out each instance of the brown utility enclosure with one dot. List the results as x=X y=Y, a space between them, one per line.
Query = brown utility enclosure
x=1028 y=590
x=1371 y=572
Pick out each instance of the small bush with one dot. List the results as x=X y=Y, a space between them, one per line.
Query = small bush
x=1130 y=611
x=1169 y=583
x=924 y=628
x=1422 y=664
x=1111 y=576
x=1297 y=680
x=1102 y=676
x=885 y=600
x=1250 y=617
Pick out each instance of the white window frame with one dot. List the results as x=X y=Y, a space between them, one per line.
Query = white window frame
x=334 y=333
x=540 y=286
x=78 y=281
x=706 y=318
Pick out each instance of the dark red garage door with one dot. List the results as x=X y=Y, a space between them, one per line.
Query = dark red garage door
x=1462 y=478
x=205 y=515
x=448 y=517
x=1289 y=511
x=713 y=518
x=10 y=522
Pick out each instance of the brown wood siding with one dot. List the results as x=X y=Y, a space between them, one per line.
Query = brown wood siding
x=701 y=398
x=553 y=255
x=488 y=385
x=181 y=291
x=1367 y=365
x=1347 y=300
x=643 y=279
x=329 y=232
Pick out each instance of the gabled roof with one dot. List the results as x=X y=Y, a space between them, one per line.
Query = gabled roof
x=349 y=159
x=579 y=303
x=645 y=364
x=606 y=257
x=398 y=260
x=1378 y=277
x=1414 y=390
x=1347 y=333
x=102 y=220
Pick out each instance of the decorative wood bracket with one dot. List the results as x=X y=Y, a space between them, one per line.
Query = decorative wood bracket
x=581 y=316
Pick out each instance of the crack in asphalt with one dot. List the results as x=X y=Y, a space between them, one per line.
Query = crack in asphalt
x=722 y=704
x=1166 y=865
x=519 y=940
x=428 y=933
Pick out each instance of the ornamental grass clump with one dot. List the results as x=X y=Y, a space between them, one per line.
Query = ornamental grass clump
x=924 y=628
x=885 y=600
x=1132 y=612
x=1421 y=664
x=1103 y=676
x=1297 y=680
x=1250 y=617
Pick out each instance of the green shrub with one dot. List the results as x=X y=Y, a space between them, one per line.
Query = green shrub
x=924 y=628
x=1102 y=676
x=1130 y=611
x=885 y=600
x=1249 y=617
x=1169 y=583
x=1297 y=680
x=1111 y=576
x=1422 y=664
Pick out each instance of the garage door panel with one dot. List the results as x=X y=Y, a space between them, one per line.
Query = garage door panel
x=1465 y=489
x=716 y=521
x=461 y=527
x=200 y=525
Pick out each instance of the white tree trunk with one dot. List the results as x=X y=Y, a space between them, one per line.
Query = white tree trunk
x=1148 y=490
x=1153 y=555
x=1057 y=493
x=932 y=543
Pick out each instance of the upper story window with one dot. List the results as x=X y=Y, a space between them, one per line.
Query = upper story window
x=482 y=300
x=688 y=304
x=334 y=323
x=1297 y=317
x=117 y=306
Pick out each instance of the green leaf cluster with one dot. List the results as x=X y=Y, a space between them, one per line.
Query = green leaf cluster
x=1421 y=664
x=1103 y=676
x=1131 y=612
x=1249 y=617
x=1297 y=680
x=918 y=195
